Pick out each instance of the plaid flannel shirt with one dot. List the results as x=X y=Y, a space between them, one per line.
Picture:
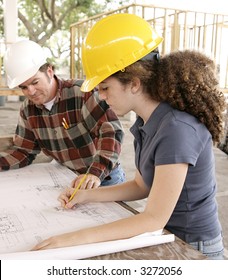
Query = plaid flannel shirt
x=91 y=143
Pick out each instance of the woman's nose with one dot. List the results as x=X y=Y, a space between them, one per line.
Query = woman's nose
x=102 y=95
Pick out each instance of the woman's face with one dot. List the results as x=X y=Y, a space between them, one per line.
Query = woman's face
x=118 y=96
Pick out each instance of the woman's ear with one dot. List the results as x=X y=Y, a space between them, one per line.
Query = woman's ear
x=135 y=85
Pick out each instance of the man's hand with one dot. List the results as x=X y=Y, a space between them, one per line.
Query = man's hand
x=91 y=182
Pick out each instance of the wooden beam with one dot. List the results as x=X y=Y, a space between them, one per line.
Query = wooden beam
x=7 y=91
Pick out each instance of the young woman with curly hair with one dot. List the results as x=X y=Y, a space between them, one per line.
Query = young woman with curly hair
x=179 y=115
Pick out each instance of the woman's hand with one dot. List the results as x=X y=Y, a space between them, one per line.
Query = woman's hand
x=81 y=196
x=58 y=241
x=91 y=182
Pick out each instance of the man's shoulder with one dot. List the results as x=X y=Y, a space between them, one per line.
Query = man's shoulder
x=78 y=82
x=69 y=83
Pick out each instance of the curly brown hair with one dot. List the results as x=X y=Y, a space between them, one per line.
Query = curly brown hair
x=187 y=80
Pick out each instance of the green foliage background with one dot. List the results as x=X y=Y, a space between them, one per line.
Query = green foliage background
x=47 y=22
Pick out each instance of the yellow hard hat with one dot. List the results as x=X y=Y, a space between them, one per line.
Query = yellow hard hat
x=113 y=43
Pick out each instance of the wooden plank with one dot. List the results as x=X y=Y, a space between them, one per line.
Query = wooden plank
x=6 y=91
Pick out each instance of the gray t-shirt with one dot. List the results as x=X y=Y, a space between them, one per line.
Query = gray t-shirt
x=171 y=136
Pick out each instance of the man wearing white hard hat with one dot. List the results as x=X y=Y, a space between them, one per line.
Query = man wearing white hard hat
x=76 y=129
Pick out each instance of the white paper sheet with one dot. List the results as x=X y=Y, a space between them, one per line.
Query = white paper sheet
x=92 y=250
x=30 y=213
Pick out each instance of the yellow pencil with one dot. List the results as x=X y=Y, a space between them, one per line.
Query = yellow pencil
x=65 y=124
x=78 y=187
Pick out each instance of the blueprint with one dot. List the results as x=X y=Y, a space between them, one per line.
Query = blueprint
x=30 y=211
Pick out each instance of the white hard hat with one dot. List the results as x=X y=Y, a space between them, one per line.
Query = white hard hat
x=22 y=61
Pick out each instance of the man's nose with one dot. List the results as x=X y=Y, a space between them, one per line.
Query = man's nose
x=31 y=89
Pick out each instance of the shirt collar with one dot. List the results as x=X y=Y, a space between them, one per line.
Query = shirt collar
x=153 y=122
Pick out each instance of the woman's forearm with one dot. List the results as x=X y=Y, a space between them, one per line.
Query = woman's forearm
x=127 y=191
x=121 y=229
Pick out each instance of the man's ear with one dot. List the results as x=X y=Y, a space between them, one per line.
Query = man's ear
x=50 y=72
x=135 y=85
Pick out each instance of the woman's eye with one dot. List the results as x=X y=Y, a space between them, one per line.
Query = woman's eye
x=102 y=89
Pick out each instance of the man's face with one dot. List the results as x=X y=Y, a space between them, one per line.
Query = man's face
x=40 y=88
